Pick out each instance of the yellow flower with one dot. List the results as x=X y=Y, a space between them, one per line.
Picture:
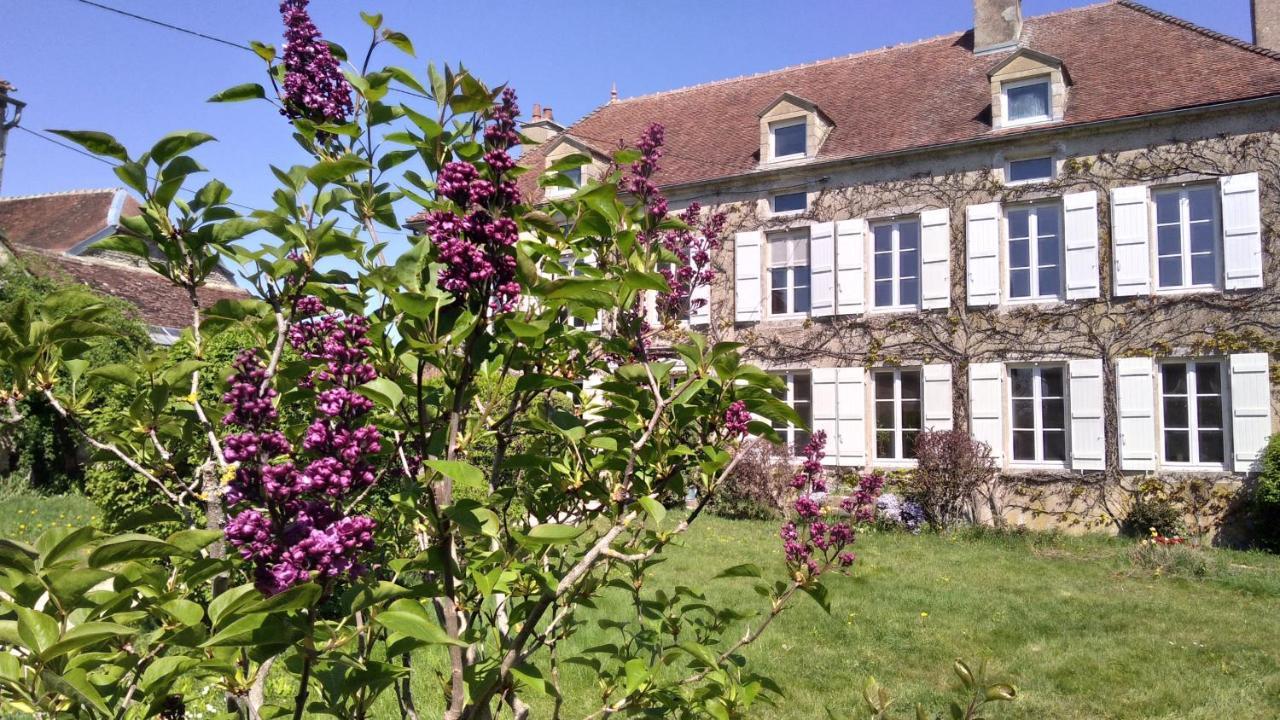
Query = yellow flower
x=924 y=614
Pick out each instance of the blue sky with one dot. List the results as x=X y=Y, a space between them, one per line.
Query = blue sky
x=80 y=67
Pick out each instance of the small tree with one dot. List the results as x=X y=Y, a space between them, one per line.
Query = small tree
x=951 y=467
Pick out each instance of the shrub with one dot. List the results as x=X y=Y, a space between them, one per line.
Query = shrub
x=899 y=513
x=1152 y=510
x=951 y=467
x=1266 y=497
x=757 y=487
x=1169 y=555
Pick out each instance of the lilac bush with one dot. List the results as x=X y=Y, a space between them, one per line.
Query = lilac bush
x=314 y=87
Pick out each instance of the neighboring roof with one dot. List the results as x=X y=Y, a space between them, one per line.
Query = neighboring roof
x=1125 y=60
x=159 y=302
x=61 y=221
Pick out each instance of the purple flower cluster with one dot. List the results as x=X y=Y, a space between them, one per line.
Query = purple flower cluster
x=736 y=419
x=476 y=242
x=640 y=181
x=861 y=505
x=314 y=87
x=811 y=545
x=692 y=247
x=289 y=521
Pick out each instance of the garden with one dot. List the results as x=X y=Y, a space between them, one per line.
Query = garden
x=498 y=476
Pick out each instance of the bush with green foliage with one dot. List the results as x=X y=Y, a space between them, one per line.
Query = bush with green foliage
x=1266 y=497
x=977 y=693
x=1152 y=511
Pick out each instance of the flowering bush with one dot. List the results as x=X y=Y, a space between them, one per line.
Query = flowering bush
x=951 y=468
x=338 y=534
x=899 y=512
x=1169 y=555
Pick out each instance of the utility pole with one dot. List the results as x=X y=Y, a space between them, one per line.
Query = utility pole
x=10 y=116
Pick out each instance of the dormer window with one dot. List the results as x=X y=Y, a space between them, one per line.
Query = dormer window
x=1027 y=101
x=789 y=139
x=575 y=176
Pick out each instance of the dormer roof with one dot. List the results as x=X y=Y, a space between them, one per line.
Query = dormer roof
x=792 y=98
x=1036 y=56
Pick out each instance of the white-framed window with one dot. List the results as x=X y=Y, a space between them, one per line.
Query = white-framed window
x=1027 y=101
x=789 y=272
x=1188 y=252
x=790 y=202
x=1038 y=413
x=1193 y=412
x=789 y=139
x=899 y=412
x=1029 y=170
x=574 y=175
x=896 y=261
x=1035 y=251
x=798 y=393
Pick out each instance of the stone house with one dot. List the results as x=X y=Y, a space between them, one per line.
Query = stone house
x=53 y=235
x=1054 y=232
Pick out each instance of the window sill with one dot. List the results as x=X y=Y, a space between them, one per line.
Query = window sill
x=892 y=464
x=1025 y=122
x=787 y=214
x=1190 y=468
x=786 y=318
x=1055 y=300
x=894 y=310
x=1033 y=466
x=1030 y=181
x=1191 y=290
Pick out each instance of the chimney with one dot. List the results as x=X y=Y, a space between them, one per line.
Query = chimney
x=1266 y=24
x=541 y=126
x=997 y=24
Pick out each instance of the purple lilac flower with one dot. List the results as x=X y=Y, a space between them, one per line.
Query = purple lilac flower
x=314 y=87
x=736 y=418
x=692 y=246
x=811 y=544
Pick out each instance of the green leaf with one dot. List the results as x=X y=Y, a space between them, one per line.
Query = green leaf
x=75 y=685
x=463 y=474
x=637 y=672
x=744 y=570
x=637 y=280
x=98 y=143
x=126 y=244
x=166 y=670
x=230 y=601
x=328 y=171
x=416 y=626
x=131 y=547
x=84 y=635
x=553 y=533
x=249 y=631
x=1001 y=692
x=362 y=597
x=401 y=41
x=299 y=596
x=193 y=540
x=174 y=144
x=184 y=611
x=382 y=391
x=37 y=630
x=654 y=508
x=70 y=585
x=819 y=593
x=238 y=93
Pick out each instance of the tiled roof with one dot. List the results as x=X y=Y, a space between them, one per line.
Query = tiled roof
x=1124 y=60
x=59 y=221
x=158 y=301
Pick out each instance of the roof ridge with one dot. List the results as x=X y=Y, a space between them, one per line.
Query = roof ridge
x=61 y=193
x=839 y=58
x=1188 y=25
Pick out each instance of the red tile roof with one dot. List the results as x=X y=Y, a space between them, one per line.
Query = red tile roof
x=1124 y=60
x=59 y=221
x=158 y=301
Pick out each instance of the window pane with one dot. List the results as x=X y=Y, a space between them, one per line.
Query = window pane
x=1028 y=101
x=1019 y=227
x=801 y=276
x=1052 y=382
x=884 y=415
x=802 y=300
x=789 y=140
x=800 y=250
x=1208 y=378
x=884 y=293
x=1202 y=270
x=1209 y=412
x=1024 y=413
x=1049 y=281
x=910 y=385
x=1047 y=250
x=1212 y=448
x=574 y=175
x=1055 y=445
x=802 y=439
x=884 y=386
x=1030 y=169
x=805 y=411
x=909 y=235
x=1168 y=239
x=1047 y=221
x=1176 y=446
x=1175 y=379
x=909 y=444
x=1024 y=445
x=778 y=251
x=884 y=265
x=1020 y=283
x=1019 y=253
x=911 y=418
x=1053 y=414
x=884 y=238
x=909 y=292
x=909 y=263
x=803 y=389
x=1167 y=208
x=778 y=302
x=1202 y=237
x=789 y=202
x=884 y=444
x=1021 y=379
x=1175 y=412
x=1170 y=271
x=1200 y=201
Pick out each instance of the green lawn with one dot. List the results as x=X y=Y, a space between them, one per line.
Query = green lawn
x=1079 y=630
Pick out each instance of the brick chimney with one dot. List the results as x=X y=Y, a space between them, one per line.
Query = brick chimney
x=997 y=24
x=1266 y=24
x=541 y=126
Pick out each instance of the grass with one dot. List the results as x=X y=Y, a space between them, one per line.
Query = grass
x=1081 y=630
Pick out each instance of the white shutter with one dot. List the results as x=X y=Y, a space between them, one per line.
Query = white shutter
x=1135 y=400
x=851 y=401
x=986 y=406
x=822 y=269
x=1130 y=240
x=747 y=264
x=1081 y=243
x=1241 y=232
x=1088 y=433
x=851 y=289
x=935 y=259
x=1250 y=408
x=699 y=300
x=937 y=397
x=826 y=410
x=597 y=324
x=982 y=254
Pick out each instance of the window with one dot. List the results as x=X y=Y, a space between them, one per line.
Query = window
x=789 y=273
x=897 y=264
x=1039 y=417
x=790 y=202
x=799 y=395
x=899 y=413
x=575 y=176
x=1186 y=237
x=1028 y=170
x=1193 y=413
x=789 y=139
x=1035 y=252
x=1026 y=101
